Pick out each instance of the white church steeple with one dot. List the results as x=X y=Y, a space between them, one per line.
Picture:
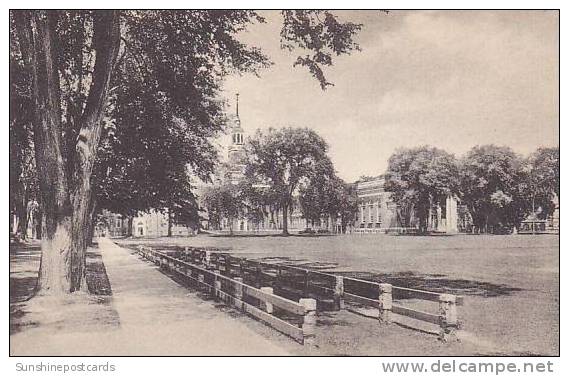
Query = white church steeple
x=237 y=137
x=236 y=149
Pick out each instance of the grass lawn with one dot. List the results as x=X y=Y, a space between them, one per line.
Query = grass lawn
x=510 y=283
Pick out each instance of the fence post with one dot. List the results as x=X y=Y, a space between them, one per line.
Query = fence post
x=207 y=259
x=448 y=317
x=339 y=293
x=239 y=292
x=259 y=276
x=215 y=262
x=201 y=281
x=228 y=265
x=216 y=285
x=265 y=306
x=309 y=320
x=385 y=303
x=188 y=273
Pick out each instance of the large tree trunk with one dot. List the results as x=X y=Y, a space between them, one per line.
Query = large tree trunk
x=106 y=40
x=64 y=180
x=36 y=43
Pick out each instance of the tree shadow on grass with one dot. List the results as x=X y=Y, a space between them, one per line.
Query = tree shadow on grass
x=435 y=283
x=269 y=235
x=24 y=265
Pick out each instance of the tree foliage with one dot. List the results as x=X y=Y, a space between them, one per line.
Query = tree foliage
x=260 y=202
x=223 y=202
x=494 y=187
x=330 y=197
x=154 y=76
x=419 y=178
x=327 y=195
x=284 y=159
x=314 y=196
x=321 y=34
x=544 y=180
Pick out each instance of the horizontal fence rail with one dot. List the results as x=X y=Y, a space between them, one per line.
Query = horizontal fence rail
x=234 y=292
x=290 y=285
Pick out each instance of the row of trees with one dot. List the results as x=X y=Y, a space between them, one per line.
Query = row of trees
x=116 y=106
x=499 y=187
x=281 y=165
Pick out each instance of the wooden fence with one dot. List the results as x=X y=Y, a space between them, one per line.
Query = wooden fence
x=327 y=291
x=380 y=295
x=260 y=303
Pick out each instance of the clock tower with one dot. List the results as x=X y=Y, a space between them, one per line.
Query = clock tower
x=236 y=155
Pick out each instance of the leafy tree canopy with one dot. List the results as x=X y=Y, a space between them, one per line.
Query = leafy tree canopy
x=492 y=183
x=420 y=177
x=284 y=159
x=544 y=179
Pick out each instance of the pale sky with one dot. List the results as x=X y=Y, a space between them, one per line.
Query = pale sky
x=450 y=79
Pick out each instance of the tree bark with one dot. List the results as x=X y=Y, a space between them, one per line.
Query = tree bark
x=65 y=189
x=22 y=211
x=36 y=43
x=424 y=213
x=169 y=223
x=90 y=228
x=129 y=231
x=285 y=219
x=106 y=40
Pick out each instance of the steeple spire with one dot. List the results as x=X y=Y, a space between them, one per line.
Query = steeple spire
x=237 y=105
